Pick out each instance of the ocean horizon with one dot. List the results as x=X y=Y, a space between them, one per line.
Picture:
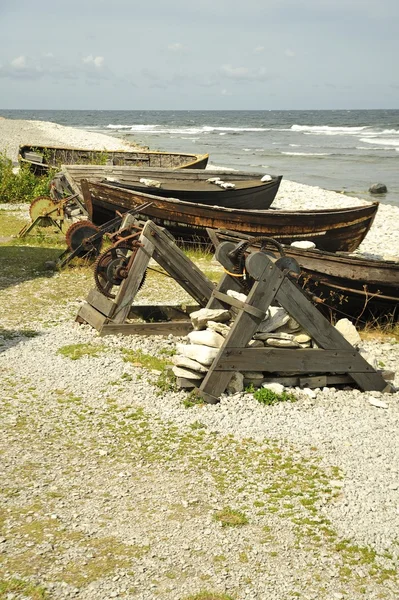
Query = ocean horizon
x=341 y=150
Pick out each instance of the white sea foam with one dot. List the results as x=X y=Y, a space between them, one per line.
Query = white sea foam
x=382 y=141
x=307 y=153
x=327 y=129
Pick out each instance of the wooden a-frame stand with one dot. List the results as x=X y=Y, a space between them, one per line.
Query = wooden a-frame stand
x=109 y=316
x=333 y=355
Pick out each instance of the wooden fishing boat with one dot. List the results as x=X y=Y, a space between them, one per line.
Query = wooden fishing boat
x=40 y=158
x=331 y=229
x=234 y=189
x=363 y=288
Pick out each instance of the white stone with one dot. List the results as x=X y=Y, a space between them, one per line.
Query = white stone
x=273 y=335
x=199 y=318
x=348 y=330
x=236 y=383
x=277 y=317
x=255 y=344
x=253 y=375
x=309 y=392
x=304 y=245
x=302 y=338
x=219 y=328
x=277 y=388
x=281 y=343
x=188 y=363
x=377 y=403
x=237 y=295
x=186 y=373
x=206 y=338
x=202 y=354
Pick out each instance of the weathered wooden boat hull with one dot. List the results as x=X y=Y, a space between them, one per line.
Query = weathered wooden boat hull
x=364 y=289
x=190 y=185
x=42 y=157
x=333 y=230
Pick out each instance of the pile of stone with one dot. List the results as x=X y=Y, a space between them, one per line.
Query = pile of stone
x=277 y=330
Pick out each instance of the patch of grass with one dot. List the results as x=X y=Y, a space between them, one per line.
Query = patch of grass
x=19 y=586
x=229 y=517
x=208 y=595
x=76 y=351
x=138 y=358
x=268 y=397
x=192 y=399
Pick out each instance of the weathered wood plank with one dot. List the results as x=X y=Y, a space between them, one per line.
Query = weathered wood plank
x=292 y=298
x=103 y=304
x=178 y=265
x=177 y=328
x=90 y=315
x=239 y=304
x=242 y=330
x=303 y=360
x=130 y=286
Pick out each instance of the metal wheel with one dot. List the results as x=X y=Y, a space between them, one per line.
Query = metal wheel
x=112 y=267
x=41 y=207
x=78 y=237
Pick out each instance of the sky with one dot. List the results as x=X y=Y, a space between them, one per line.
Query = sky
x=202 y=55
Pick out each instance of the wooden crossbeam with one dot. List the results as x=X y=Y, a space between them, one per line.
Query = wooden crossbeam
x=334 y=355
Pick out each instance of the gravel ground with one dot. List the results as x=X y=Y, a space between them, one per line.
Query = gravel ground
x=112 y=487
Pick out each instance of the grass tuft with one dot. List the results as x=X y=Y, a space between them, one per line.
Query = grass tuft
x=229 y=517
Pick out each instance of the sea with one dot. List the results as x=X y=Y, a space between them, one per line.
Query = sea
x=341 y=150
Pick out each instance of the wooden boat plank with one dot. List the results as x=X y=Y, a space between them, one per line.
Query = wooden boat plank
x=331 y=229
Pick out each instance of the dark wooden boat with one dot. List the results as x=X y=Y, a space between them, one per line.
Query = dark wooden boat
x=191 y=185
x=362 y=288
x=332 y=229
x=42 y=157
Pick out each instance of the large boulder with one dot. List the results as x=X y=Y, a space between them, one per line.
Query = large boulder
x=378 y=188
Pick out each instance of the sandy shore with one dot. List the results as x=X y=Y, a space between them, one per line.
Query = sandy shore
x=381 y=242
x=16 y=132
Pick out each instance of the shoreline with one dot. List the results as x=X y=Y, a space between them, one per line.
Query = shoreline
x=382 y=241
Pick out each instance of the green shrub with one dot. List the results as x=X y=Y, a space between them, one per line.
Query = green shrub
x=22 y=186
x=268 y=397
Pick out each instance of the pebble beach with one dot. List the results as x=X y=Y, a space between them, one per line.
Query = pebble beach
x=114 y=488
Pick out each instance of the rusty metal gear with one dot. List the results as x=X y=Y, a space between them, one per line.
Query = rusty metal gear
x=112 y=267
x=41 y=207
x=80 y=237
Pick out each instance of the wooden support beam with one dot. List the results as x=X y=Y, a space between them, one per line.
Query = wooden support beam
x=245 y=325
x=88 y=314
x=177 y=328
x=131 y=284
x=177 y=264
x=303 y=360
x=293 y=299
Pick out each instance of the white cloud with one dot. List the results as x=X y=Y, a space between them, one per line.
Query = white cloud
x=177 y=47
x=19 y=62
x=289 y=53
x=97 y=61
x=244 y=73
x=259 y=49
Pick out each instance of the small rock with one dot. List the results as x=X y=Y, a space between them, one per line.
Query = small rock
x=199 y=318
x=309 y=392
x=348 y=330
x=206 y=338
x=277 y=388
x=304 y=245
x=377 y=403
x=186 y=373
x=236 y=384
